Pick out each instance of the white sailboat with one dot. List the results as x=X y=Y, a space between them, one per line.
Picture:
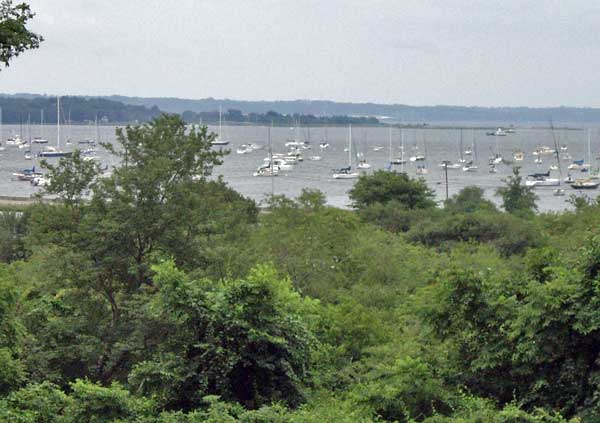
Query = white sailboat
x=56 y=151
x=219 y=140
x=346 y=172
x=41 y=139
x=269 y=169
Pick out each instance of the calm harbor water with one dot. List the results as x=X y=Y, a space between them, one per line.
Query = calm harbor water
x=436 y=144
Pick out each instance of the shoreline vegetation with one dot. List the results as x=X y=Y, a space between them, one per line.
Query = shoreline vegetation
x=158 y=294
x=80 y=110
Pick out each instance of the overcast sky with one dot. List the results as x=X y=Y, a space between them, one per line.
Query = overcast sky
x=418 y=52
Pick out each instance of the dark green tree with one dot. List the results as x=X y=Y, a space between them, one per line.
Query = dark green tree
x=383 y=187
x=15 y=38
x=517 y=198
x=468 y=200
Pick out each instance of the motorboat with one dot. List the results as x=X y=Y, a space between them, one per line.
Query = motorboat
x=497 y=133
x=579 y=165
x=345 y=173
x=470 y=167
x=267 y=171
x=450 y=165
x=585 y=183
x=518 y=156
x=27 y=174
x=244 y=149
x=363 y=165
x=54 y=152
x=541 y=179
x=40 y=181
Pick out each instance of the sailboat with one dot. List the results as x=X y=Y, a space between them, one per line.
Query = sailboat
x=55 y=151
x=470 y=166
x=219 y=140
x=41 y=139
x=270 y=168
x=346 y=172
x=400 y=160
x=363 y=164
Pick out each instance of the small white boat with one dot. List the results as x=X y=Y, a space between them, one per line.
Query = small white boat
x=538 y=160
x=585 y=183
x=450 y=165
x=267 y=171
x=470 y=167
x=541 y=180
x=40 y=181
x=518 y=156
x=244 y=149
x=324 y=145
x=377 y=148
x=558 y=192
x=314 y=158
x=345 y=173
x=39 y=140
x=579 y=165
x=417 y=158
x=497 y=133
x=363 y=165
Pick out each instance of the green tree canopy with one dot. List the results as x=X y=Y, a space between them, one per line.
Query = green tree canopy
x=383 y=187
x=517 y=198
x=15 y=38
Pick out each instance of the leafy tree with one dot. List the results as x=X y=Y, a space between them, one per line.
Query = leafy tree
x=517 y=198
x=383 y=187
x=12 y=332
x=469 y=200
x=71 y=179
x=15 y=38
x=245 y=340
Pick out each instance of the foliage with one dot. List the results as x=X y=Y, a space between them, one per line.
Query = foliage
x=517 y=198
x=15 y=38
x=161 y=295
x=470 y=199
x=383 y=187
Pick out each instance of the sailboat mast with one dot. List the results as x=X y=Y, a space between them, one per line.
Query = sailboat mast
x=350 y=145
x=390 y=142
x=271 y=163
x=589 y=152
x=42 y=123
x=0 y=125
x=402 y=148
x=220 y=122
x=58 y=122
